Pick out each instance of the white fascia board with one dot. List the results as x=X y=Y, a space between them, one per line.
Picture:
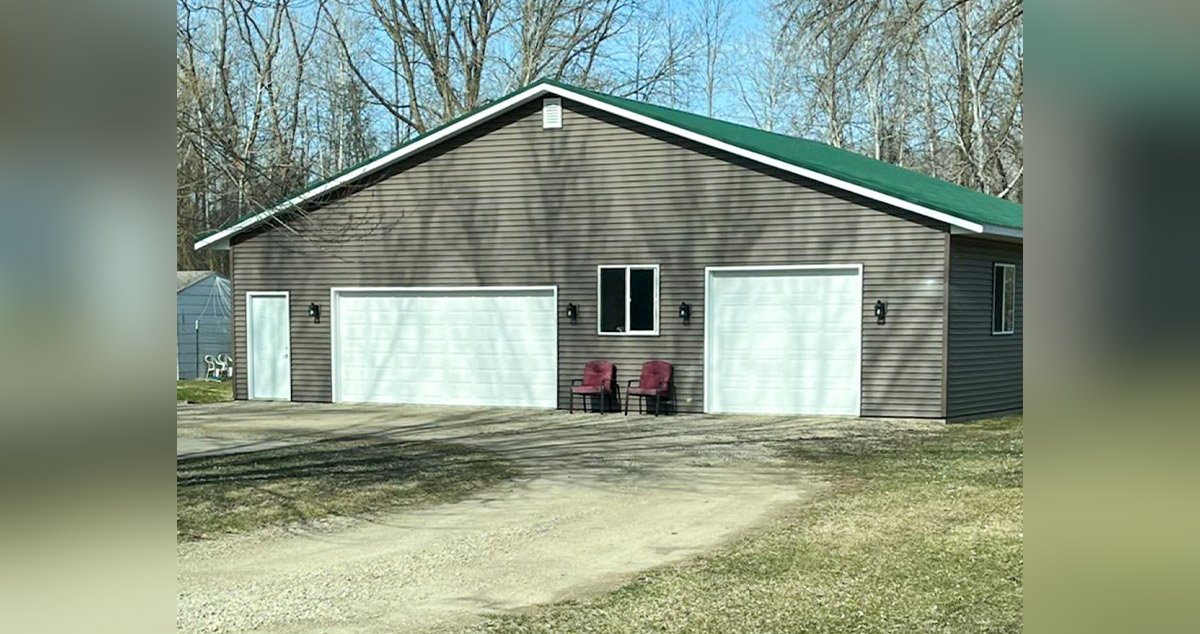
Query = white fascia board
x=383 y=161
x=1006 y=234
x=542 y=89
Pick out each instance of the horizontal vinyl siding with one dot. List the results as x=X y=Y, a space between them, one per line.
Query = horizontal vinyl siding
x=985 y=371
x=512 y=204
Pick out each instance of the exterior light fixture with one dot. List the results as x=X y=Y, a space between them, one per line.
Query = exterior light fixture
x=881 y=311
x=572 y=312
x=314 y=311
x=685 y=312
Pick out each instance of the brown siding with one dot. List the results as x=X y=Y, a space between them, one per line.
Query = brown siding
x=985 y=374
x=512 y=204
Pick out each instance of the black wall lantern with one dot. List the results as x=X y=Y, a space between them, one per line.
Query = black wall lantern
x=881 y=311
x=314 y=311
x=572 y=312
x=685 y=312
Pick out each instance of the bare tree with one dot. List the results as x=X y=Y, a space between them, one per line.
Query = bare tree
x=876 y=76
x=764 y=78
x=714 y=18
x=562 y=38
x=257 y=110
x=654 y=55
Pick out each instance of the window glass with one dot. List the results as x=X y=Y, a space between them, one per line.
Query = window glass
x=612 y=300
x=641 y=300
x=1004 y=298
x=1010 y=298
x=997 y=299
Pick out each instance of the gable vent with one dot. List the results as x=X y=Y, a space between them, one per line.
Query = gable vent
x=552 y=112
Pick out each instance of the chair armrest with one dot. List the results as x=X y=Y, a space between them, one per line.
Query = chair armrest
x=575 y=382
x=629 y=383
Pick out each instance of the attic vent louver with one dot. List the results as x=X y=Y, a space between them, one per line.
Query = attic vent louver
x=552 y=112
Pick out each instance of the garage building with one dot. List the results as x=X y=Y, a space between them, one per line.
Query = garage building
x=485 y=262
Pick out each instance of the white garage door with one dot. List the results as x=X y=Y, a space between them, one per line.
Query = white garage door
x=446 y=346
x=784 y=341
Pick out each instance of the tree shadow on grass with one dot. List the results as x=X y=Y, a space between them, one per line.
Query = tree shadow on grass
x=988 y=454
x=323 y=478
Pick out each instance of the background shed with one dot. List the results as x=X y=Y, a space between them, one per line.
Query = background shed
x=202 y=310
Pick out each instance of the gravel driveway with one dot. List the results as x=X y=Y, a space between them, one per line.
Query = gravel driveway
x=602 y=497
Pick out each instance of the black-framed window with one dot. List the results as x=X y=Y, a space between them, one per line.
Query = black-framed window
x=1004 y=298
x=628 y=299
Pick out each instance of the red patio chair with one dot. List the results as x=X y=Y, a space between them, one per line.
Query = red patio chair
x=656 y=382
x=599 y=380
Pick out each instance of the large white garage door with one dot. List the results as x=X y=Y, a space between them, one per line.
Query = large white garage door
x=784 y=341
x=446 y=346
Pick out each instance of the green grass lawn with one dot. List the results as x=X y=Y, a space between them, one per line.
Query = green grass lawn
x=338 y=477
x=204 y=391
x=921 y=532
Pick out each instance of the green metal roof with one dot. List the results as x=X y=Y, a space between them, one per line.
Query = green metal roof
x=845 y=165
x=885 y=178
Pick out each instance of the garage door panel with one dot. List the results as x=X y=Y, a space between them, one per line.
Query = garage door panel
x=764 y=401
x=461 y=347
x=748 y=316
x=770 y=371
x=491 y=365
x=773 y=338
x=442 y=376
x=785 y=341
x=448 y=348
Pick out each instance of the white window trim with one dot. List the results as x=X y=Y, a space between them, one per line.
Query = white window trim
x=996 y=267
x=628 y=300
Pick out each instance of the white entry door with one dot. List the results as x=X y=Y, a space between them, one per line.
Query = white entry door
x=268 y=344
x=783 y=340
x=446 y=346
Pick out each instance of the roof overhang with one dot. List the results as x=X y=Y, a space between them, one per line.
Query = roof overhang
x=1007 y=234
x=195 y=281
x=220 y=239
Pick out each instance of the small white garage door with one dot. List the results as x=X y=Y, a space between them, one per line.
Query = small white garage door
x=479 y=346
x=783 y=341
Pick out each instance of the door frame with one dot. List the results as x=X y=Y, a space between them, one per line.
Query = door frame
x=708 y=275
x=287 y=300
x=335 y=371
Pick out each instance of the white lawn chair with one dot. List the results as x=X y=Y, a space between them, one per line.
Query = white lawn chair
x=226 y=363
x=211 y=367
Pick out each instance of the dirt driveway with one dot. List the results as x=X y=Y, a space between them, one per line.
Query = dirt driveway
x=601 y=498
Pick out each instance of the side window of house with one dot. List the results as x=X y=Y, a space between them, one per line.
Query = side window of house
x=1004 y=298
x=628 y=299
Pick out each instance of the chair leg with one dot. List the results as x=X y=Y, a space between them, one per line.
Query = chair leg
x=626 y=402
x=657 y=404
x=571 y=407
